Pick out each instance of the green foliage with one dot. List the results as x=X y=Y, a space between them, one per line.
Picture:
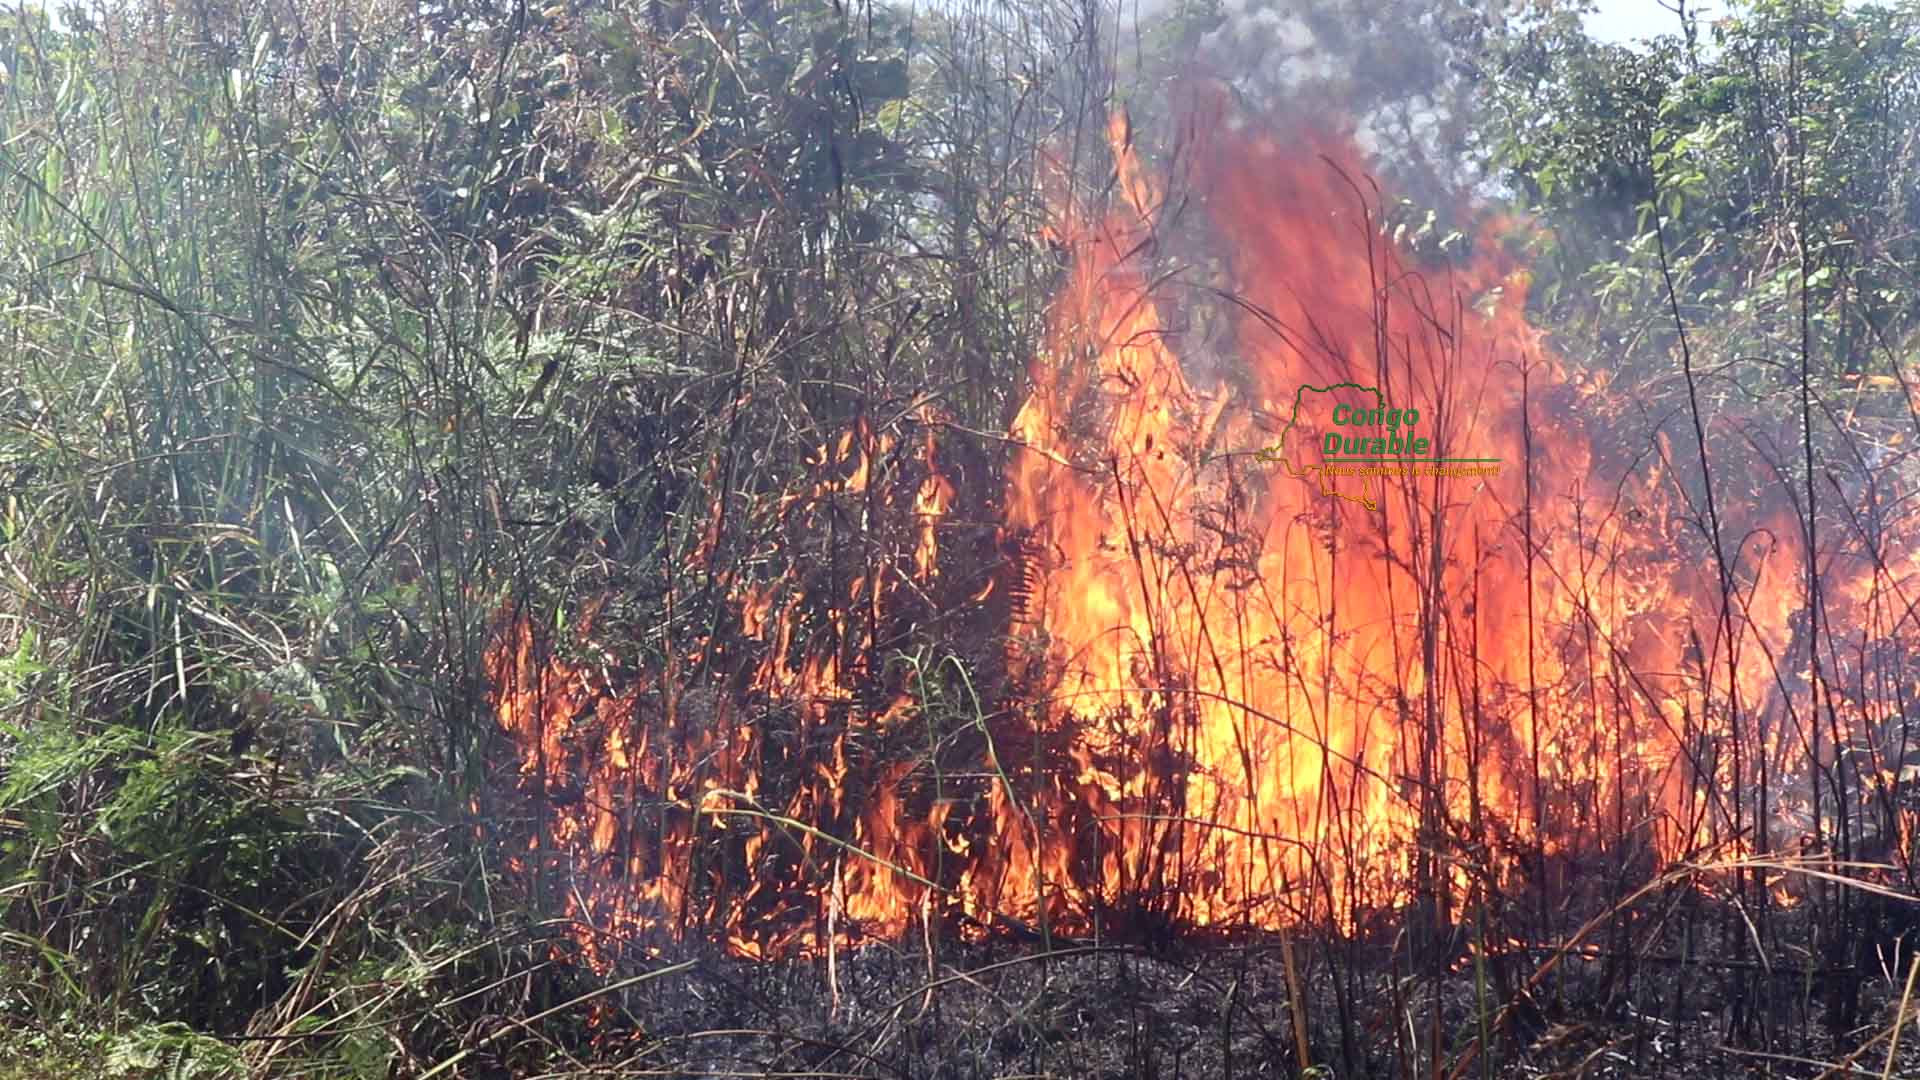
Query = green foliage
x=332 y=333
x=1789 y=135
x=255 y=290
x=175 y=1051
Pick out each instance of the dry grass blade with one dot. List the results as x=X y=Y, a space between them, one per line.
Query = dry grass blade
x=1899 y=1020
x=515 y=1023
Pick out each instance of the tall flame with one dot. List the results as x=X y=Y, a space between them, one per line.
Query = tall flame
x=1254 y=689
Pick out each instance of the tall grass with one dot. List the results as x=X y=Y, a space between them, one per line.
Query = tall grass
x=334 y=335
x=248 y=429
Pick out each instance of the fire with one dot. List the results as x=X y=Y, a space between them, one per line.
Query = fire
x=1253 y=692
x=645 y=778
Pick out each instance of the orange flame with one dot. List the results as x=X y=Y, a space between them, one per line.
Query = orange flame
x=1257 y=688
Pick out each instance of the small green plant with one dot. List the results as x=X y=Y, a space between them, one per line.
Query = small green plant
x=173 y=1051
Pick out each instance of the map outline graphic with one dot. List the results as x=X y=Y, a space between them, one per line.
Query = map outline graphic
x=1277 y=452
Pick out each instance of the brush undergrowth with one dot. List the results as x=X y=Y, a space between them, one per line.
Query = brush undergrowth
x=333 y=331
x=243 y=441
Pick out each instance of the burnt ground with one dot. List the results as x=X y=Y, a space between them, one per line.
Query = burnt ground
x=1195 y=1009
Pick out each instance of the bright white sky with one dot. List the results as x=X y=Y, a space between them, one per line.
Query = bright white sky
x=1622 y=21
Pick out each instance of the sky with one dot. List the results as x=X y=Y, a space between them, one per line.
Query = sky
x=1622 y=21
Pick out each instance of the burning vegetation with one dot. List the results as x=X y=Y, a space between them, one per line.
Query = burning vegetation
x=1197 y=693
x=794 y=539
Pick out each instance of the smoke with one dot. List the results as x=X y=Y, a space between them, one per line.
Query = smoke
x=1395 y=75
